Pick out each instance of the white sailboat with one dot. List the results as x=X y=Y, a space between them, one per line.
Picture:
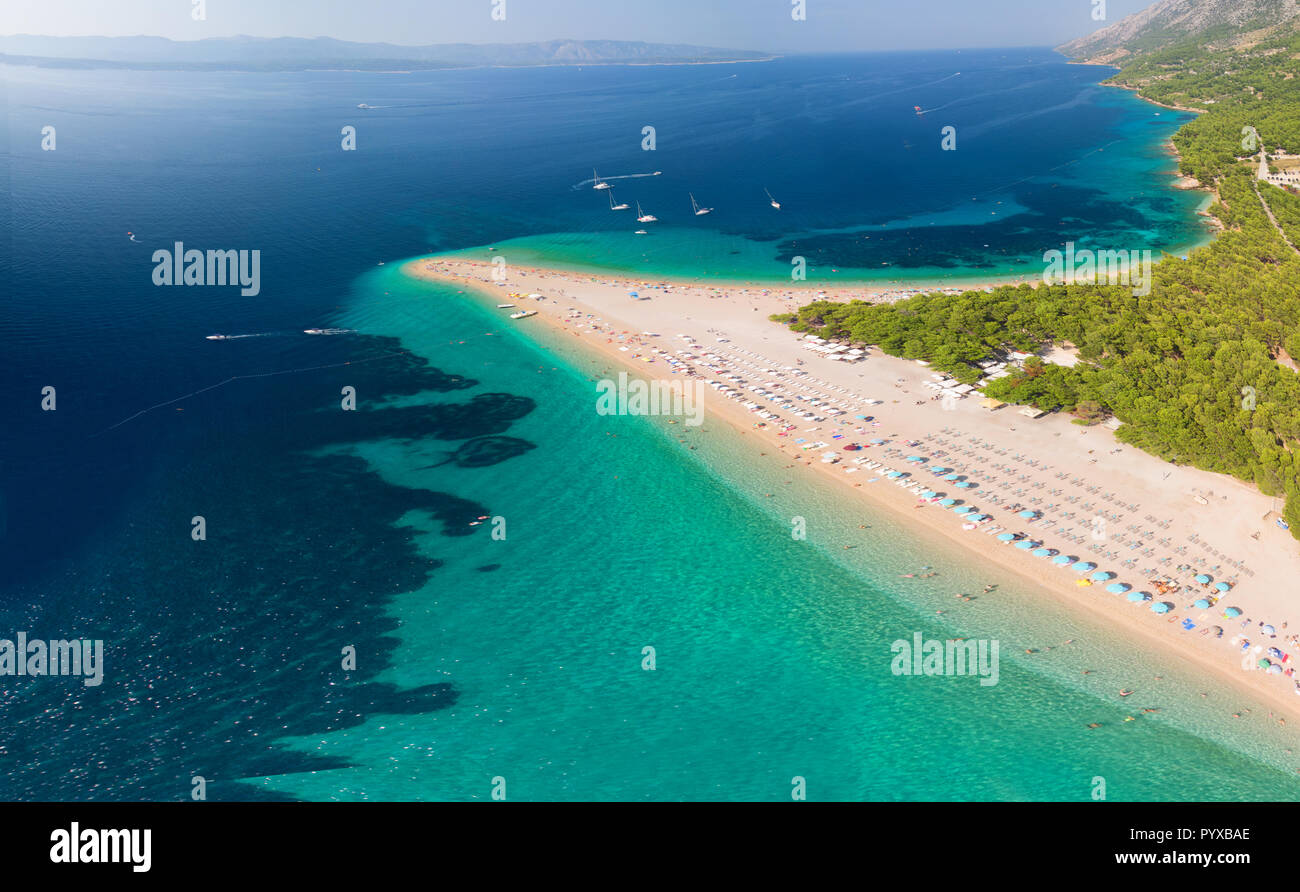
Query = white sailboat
x=776 y=204
x=642 y=217
x=616 y=207
x=600 y=184
x=699 y=211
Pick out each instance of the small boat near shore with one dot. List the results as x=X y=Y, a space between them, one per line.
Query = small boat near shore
x=523 y=314
x=505 y=306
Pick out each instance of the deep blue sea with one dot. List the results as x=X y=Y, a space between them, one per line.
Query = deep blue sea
x=328 y=529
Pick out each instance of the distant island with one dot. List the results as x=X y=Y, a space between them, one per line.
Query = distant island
x=243 y=53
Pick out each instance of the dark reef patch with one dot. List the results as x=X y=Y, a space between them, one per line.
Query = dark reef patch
x=1049 y=220
x=215 y=649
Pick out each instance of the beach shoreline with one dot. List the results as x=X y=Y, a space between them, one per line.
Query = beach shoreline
x=847 y=288
x=583 y=306
x=1137 y=91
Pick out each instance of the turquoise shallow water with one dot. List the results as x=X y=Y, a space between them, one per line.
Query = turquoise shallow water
x=773 y=655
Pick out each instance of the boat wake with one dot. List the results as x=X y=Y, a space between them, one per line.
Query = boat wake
x=271 y=334
x=626 y=176
x=261 y=334
x=926 y=111
x=295 y=371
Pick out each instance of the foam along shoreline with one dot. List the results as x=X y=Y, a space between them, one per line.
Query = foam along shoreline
x=1156 y=517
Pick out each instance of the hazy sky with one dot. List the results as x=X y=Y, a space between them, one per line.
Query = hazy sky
x=831 y=25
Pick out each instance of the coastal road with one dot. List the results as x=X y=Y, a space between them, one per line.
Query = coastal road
x=1268 y=210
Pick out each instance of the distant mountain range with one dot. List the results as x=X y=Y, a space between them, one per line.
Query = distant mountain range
x=1217 y=24
x=296 y=53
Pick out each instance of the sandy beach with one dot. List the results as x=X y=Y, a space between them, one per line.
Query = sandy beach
x=1150 y=526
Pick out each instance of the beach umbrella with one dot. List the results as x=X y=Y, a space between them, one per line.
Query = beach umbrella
x=1275 y=669
x=1275 y=653
x=1200 y=604
x=1082 y=582
x=952 y=477
x=1042 y=552
x=877 y=442
x=965 y=484
x=1222 y=586
x=1028 y=514
x=1006 y=537
x=1026 y=544
x=947 y=503
x=941 y=470
x=1084 y=566
x=1138 y=596
x=1264 y=663
x=915 y=458
x=1102 y=576
x=1269 y=630
x=1118 y=588
x=1062 y=559
x=1217 y=630
x=977 y=517
x=927 y=494
x=1161 y=607
x=962 y=509
x=894 y=474
x=1231 y=612
x=1202 y=578
x=860 y=417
